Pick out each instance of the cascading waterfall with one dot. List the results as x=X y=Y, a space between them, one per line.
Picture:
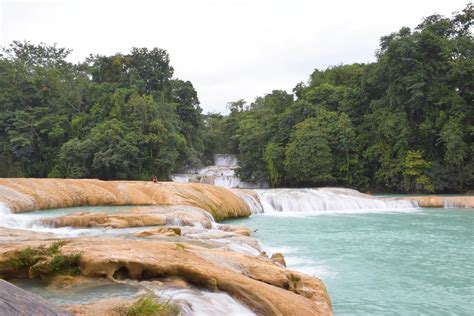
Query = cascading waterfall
x=224 y=160
x=195 y=302
x=323 y=200
x=222 y=174
x=10 y=220
x=252 y=200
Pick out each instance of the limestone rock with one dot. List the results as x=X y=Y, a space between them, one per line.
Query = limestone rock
x=235 y=229
x=279 y=259
x=22 y=195
x=443 y=201
x=166 y=231
x=138 y=217
x=255 y=281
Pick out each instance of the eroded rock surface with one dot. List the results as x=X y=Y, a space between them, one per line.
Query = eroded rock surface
x=137 y=217
x=174 y=238
x=22 y=195
x=254 y=280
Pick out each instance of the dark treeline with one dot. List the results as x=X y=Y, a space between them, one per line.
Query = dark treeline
x=110 y=117
x=402 y=123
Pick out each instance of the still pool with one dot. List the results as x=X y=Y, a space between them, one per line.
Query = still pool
x=400 y=263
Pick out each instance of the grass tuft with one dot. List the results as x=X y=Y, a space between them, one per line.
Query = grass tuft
x=180 y=246
x=149 y=305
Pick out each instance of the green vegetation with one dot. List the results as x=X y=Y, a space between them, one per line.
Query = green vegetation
x=41 y=262
x=180 y=246
x=150 y=306
x=109 y=117
x=402 y=123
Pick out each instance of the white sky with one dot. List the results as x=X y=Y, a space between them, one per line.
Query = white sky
x=229 y=49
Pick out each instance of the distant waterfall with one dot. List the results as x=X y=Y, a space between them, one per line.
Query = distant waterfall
x=222 y=174
x=223 y=160
x=325 y=200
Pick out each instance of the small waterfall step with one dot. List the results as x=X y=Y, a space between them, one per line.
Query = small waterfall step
x=326 y=200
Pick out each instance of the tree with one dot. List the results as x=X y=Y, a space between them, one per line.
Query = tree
x=414 y=173
x=308 y=158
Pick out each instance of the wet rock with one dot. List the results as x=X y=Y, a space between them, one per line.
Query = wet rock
x=16 y=301
x=138 y=217
x=442 y=201
x=166 y=231
x=106 y=220
x=241 y=230
x=255 y=281
x=278 y=259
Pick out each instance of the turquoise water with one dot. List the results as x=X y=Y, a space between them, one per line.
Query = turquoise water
x=56 y=212
x=82 y=294
x=417 y=263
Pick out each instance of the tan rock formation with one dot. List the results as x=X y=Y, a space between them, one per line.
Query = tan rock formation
x=255 y=281
x=279 y=259
x=165 y=231
x=235 y=229
x=22 y=195
x=443 y=201
x=136 y=217
x=107 y=220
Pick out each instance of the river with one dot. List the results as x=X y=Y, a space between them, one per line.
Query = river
x=376 y=256
x=418 y=262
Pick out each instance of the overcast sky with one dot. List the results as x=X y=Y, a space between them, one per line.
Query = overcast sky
x=229 y=49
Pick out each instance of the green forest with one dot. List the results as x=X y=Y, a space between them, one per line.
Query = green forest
x=403 y=123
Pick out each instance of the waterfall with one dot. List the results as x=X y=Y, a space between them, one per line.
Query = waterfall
x=251 y=199
x=222 y=174
x=323 y=201
x=10 y=220
x=226 y=160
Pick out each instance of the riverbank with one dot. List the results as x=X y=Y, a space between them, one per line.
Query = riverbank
x=147 y=233
x=168 y=242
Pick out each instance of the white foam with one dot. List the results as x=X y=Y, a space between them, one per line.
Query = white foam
x=18 y=221
x=296 y=262
x=251 y=200
x=282 y=249
x=199 y=302
x=222 y=174
x=303 y=202
x=226 y=160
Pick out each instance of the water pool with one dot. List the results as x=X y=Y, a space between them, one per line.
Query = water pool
x=390 y=263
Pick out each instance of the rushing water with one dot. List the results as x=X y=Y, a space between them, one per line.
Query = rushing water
x=381 y=263
x=192 y=301
x=292 y=202
x=222 y=174
x=377 y=256
x=82 y=294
